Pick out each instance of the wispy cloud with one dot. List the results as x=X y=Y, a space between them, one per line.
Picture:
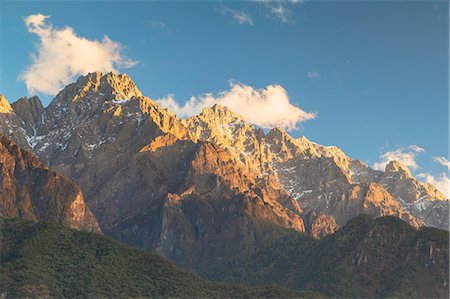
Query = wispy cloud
x=406 y=156
x=443 y=161
x=312 y=74
x=239 y=16
x=278 y=10
x=267 y=107
x=158 y=24
x=61 y=55
x=281 y=12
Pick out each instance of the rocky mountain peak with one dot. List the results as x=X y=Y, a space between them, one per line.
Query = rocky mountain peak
x=395 y=167
x=5 y=107
x=219 y=114
x=95 y=88
x=30 y=110
x=120 y=86
x=276 y=133
x=25 y=101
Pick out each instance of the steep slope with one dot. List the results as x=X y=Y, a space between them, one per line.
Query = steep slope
x=46 y=260
x=30 y=190
x=367 y=258
x=190 y=201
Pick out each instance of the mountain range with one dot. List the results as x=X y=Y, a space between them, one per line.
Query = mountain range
x=212 y=193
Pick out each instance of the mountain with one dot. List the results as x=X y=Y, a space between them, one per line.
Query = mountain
x=108 y=114
x=30 y=190
x=165 y=190
x=205 y=190
x=47 y=260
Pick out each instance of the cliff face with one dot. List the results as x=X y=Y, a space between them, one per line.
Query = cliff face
x=31 y=191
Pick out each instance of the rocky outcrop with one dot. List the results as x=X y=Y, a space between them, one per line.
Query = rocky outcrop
x=31 y=191
x=320 y=225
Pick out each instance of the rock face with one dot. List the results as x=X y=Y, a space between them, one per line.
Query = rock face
x=204 y=189
x=31 y=191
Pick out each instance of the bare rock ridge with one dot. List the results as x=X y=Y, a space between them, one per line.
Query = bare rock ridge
x=31 y=191
x=209 y=186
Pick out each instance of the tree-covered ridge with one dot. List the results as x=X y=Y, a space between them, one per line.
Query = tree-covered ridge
x=367 y=258
x=47 y=260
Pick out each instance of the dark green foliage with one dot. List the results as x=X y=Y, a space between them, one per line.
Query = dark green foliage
x=42 y=259
x=384 y=257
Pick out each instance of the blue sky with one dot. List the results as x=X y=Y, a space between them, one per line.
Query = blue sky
x=375 y=73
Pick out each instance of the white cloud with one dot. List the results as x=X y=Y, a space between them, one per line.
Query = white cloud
x=281 y=13
x=61 y=55
x=239 y=16
x=442 y=183
x=443 y=161
x=416 y=148
x=267 y=107
x=313 y=74
x=406 y=156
